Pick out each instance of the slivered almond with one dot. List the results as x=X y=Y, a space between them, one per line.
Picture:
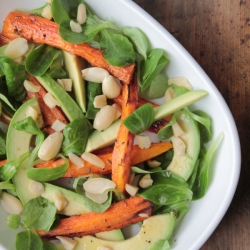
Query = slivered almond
x=16 y=48
x=81 y=14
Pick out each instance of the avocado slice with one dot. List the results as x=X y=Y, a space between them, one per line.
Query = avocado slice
x=183 y=165
x=113 y=235
x=73 y=65
x=154 y=229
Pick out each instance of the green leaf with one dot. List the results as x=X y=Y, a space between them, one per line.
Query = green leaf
x=39 y=214
x=48 y=174
x=158 y=87
x=201 y=182
x=75 y=137
x=93 y=89
x=37 y=11
x=139 y=40
x=140 y=119
x=28 y=241
x=39 y=60
x=2 y=143
x=13 y=221
x=178 y=90
x=142 y=171
x=48 y=245
x=4 y=59
x=166 y=132
x=117 y=49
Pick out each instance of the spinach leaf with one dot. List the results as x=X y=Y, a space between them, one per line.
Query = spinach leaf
x=48 y=245
x=2 y=50
x=117 y=49
x=48 y=174
x=39 y=60
x=93 y=89
x=39 y=213
x=8 y=170
x=165 y=158
x=4 y=59
x=178 y=90
x=161 y=245
x=166 y=132
x=13 y=221
x=138 y=39
x=158 y=87
x=37 y=11
x=167 y=189
x=201 y=182
x=151 y=67
x=140 y=119
x=2 y=143
x=75 y=137
x=6 y=101
x=28 y=125
x=142 y=171
x=15 y=75
x=28 y=241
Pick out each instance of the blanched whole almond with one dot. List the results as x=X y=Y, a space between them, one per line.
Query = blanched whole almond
x=81 y=14
x=98 y=185
x=177 y=129
x=146 y=181
x=47 y=13
x=75 y=27
x=93 y=159
x=51 y=146
x=68 y=243
x=58 y=125
x=60 y=201
x=143 y=141
x=180 y=81
x=16 y=48
x=131 y=190
x=178 y=146
x=50 y=101
x=104 y=118
x=76 y=160
x=31 y=87
x=110 y=87
x=36 y=187
x=10 y=203
x=94 y=74
x=98 y=198
x=100 y=101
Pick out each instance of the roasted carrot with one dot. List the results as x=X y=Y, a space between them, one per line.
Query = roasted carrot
x=2 y=162
x=156 y=126
x=3 y=40
x=138 y=156
x=49 y=115
x=121 y=158
x=119 y=215
x=40 y=30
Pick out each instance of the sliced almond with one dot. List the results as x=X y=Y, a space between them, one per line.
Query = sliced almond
x=58 y=126
x=67 y=84
x=76 y=160
x=143 y=141
x=98 y=198
x=31 y=87
x=81 y=14
x=16 y=48
x=153 y=163
x=60 y=201
x=146 y=181
x=100 y=101
x=10 y=203
x=50 y=101
x=75 y=27
x=131 y=190
x=93 y=159
x=118 y=110
x=36 y=188
x=177 y=129
x=68 y=243
x=47 y=13
x=31 y=112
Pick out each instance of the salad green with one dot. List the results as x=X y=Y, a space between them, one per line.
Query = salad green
x=182 y=174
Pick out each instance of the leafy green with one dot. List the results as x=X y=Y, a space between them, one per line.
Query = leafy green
x=166 y=132
x=140 y=119
x=139 y=40
x=48 y=174
x=28 y=241
x=13 y=221
x=6 y=101
x=4 y=59
x=165 y=158
x=37 y=11
x=158 y=87
x=117 y=49
x=201 y=182
x=48 y=245
x=39 y=60
x=142 y=171
x=2 y=50
x=75 y=137
x=167 y=189
x=39 y=213
x=178 y=90
x=8 y=170
x=151 y=67
x=93 y=89
x=2 y=143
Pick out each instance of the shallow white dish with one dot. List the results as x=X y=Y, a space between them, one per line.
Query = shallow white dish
x=205 y=214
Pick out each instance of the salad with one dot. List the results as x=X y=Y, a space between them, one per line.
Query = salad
x=90 y=120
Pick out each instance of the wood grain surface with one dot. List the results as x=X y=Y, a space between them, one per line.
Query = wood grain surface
x=217 y=34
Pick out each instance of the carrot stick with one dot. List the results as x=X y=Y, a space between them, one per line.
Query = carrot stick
x=49 y=115
x=156 y=126
x=138 y=155
x=119 y=215
x=121 y=158
x=2 y=162
x=40 y=30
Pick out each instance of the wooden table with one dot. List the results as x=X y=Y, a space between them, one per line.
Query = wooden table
x=217 y=34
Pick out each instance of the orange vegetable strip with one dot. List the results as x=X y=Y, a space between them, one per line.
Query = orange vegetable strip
x=138 y=155
x=119 y=215
x=3 y=40
x=156 y=126
x=40 y=30
x=2 y=162
x=121 y=158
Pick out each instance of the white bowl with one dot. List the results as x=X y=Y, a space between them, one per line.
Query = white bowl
x=205 y=214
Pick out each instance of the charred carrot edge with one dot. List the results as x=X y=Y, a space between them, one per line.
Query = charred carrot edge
x=49 y=115
x=3 y=40
x=121 y=158
x=2 y=162
x=156 y=126
x=138 y=155
x=119 y=215
x=40 y=30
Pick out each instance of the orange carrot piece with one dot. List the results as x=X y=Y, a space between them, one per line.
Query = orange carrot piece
x=119 y=215
x=121 y=158
x=138 y=155
x=40 y=30
x=156 y=126
x=49 y=115
x=3 y=40
x=2 y=162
